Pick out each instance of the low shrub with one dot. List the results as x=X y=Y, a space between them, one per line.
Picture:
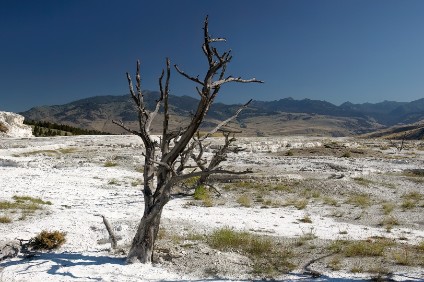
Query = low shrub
x=48 y=240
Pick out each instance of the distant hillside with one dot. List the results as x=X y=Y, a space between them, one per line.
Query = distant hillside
x=399 y=132
x=285 y=116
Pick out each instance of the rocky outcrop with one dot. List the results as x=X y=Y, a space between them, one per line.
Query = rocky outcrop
x=12 y=125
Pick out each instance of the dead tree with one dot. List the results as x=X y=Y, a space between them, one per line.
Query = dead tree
x=165 y=160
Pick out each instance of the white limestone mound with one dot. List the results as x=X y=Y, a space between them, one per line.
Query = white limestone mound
x=12 y=125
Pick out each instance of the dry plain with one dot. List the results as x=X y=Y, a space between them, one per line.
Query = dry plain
x=343 y=209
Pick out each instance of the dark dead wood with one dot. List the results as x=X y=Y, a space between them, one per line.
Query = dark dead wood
x=172 y=161
x=9 y=249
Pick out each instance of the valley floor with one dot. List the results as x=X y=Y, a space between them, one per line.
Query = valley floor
x=318 y=201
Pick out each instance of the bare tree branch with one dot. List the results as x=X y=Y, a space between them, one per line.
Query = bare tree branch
x=121 y=124
x=235 y=79
x=166 y=138
x=225 y=122
x=195 y=79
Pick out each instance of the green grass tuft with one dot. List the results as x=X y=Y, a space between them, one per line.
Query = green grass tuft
x=202 y=193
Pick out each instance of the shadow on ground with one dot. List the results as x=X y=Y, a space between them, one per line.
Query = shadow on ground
x=60 y=260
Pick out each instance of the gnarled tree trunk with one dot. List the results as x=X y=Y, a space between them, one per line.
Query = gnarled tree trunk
x=144 y=240
x=170 y=165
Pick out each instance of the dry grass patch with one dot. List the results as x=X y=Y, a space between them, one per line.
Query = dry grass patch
x=68 y=150
x=346 y=155
x=414 y=175
x=5 y=219
x=335 y=263
x=420 y=246
x=24 y=204
x=408 y=204
x=299 y=204
x=110 y=164
x=414 y=195
x=282 y=188
x=361 y=248
x=387 y=207
x=357 y=268
x=306 y=219
x=309 y=193
x=139 y=169
x=113 y=181
x=23 y=199
x=306 y=237
x=261 y=186
x=330 y=201
x=49 y=153
x=363 y=181
x=403 y=257
x=268 y=257
x=244 y=201
x=136 y=182
x=359 y=200
x=411 y=200
x=414 y=172
x=388 y=222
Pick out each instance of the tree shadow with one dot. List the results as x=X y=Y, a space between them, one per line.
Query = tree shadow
x=60 y=260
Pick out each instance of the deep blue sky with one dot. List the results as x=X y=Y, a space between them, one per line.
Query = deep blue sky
x=54 y=52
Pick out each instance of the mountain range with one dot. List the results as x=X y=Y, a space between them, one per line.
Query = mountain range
x=281 y=117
